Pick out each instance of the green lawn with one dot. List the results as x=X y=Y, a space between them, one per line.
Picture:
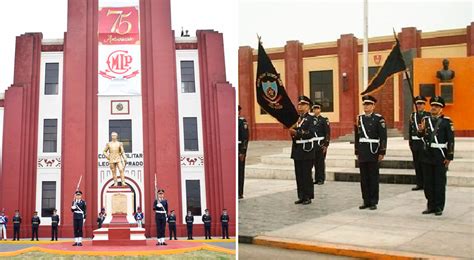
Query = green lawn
x=201 y=254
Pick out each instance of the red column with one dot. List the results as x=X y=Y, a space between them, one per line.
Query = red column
x=18 y=182
x=79 y=122
x=160 y=109
x=218 y=122
x=470 y=39
x=246 y=88
x=348 y=96
x=410 y=38
x=294 y=69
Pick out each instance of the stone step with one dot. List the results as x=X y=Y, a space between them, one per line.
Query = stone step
x=349 y=161
x=400 y=176
x=395 y=149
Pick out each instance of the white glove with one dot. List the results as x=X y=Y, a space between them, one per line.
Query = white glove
x=159 y=204
x=83 y=221
x=73 y=207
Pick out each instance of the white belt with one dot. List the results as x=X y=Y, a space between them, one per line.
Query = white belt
x=434 y=145
x=240 y=142
x=78 y=212
x=367 y=140
x=160 y=211
x=414 y=137
x=309 y=140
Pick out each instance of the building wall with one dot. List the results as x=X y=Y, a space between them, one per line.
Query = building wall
x=50 y=107
x=461 y=109
x=189 y=105
x=345 y=57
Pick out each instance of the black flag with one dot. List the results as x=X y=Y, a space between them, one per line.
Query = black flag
x=271 y=94
x=392 y=65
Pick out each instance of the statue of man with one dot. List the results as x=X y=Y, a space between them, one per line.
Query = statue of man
x=445 y=75
x=115 y=154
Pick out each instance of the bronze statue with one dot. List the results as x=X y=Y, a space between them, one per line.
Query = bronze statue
x=445 y=75
x=115 y=154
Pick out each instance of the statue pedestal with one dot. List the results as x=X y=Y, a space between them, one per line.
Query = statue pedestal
x=119 y=228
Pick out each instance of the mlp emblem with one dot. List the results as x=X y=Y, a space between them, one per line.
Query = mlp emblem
x=270 y=89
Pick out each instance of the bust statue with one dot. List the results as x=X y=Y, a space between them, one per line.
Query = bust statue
x=445 y=75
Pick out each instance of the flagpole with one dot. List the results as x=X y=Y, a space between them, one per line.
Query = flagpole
x=365 y=46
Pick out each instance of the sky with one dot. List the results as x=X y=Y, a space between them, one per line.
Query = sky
x=50 y=18
x=313 y=21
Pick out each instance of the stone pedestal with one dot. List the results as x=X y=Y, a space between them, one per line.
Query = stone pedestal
x=119 y=228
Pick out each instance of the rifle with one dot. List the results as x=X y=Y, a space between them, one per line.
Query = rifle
x=156 y=189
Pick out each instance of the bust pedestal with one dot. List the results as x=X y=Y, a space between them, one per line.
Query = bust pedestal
x=119 y=227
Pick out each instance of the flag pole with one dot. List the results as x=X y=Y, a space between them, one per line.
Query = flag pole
x=365 y=45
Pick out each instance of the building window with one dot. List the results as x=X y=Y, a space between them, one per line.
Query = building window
x=193 y=197
x=50 y=135
x=124 y=130
x=321 y=87
x=187 y=76
x=51 y=78
x=190 y=134
x=48 y=198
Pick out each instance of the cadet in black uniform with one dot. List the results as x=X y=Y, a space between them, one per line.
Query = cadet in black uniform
x=437 y=132
x=416 y=143
x=16 y=225
x=160 y=207
x=79 y=216
x=323 y=135
x=243 y=143
x=225 y=224
x=302 y=151
x=206 y=219
x=189 y=224
x=101 y=218
x=172 y=225
x=35 y=222
x=54 y=225
x=370 y=146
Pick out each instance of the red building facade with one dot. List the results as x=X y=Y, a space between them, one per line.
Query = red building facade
x=79 y=125
x=343 y=60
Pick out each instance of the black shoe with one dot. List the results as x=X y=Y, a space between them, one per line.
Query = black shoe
x=171 y=238
x=158 y=244
x=306 y=202
x=192 y=238
x=365 y=206
x=210 y=237
x=164 y=244
x=56 y=239
x=227 y=237
x=320 y=182
x=37 y=240
x=75 y=244
x=373 y=207
x=241 y=197
x=189 y=238
x=298 y=201
x=417 y=188
x=175 y=238
x=315 y=182
x=438 y=213
x=32 y=239
x=427 y=211
x=80 y=244
x=52 y=239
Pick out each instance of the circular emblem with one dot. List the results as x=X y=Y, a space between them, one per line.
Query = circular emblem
x=119 y=106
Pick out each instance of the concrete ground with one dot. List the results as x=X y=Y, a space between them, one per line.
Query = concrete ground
x=334 y=217
x=255 y=252
x=268 y=211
